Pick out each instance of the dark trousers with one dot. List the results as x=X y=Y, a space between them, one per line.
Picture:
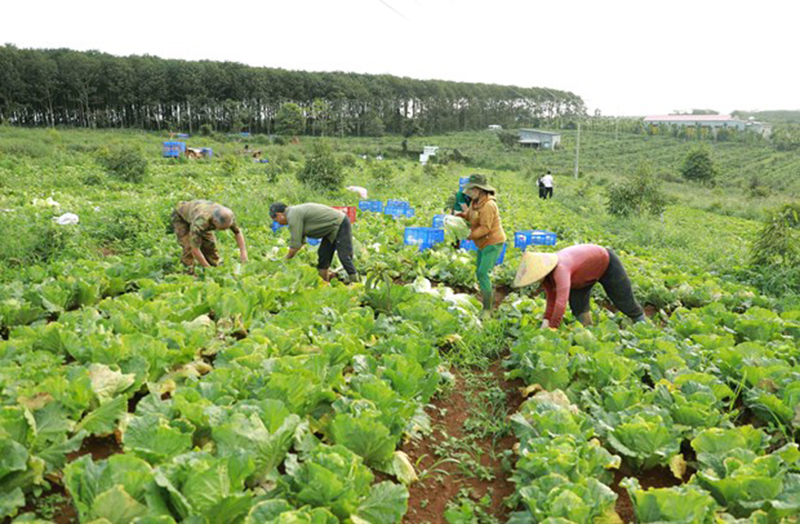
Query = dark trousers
x=541 y=191
x=343 y=245
x=618 y=287
x=548 y=192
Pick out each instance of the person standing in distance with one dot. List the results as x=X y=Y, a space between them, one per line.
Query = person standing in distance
x=547 y=185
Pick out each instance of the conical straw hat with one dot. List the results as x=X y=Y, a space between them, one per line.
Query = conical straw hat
x=534 y=267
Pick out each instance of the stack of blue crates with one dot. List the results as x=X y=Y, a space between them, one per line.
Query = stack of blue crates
x=534 y=237
x=438 y=221
x=398 y=208
x=376 y=206
x=424 y=237
x=174 y=149
x=462 y=182
x=469 y=245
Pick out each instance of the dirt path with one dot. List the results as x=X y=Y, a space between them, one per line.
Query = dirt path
x=478 y=484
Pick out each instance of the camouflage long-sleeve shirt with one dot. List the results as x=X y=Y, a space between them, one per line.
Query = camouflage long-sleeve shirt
x=197 y=214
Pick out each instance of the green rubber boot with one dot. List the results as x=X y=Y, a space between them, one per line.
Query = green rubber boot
x=488 y=304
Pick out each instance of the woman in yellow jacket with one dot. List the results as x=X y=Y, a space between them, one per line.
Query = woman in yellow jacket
x=486 y=231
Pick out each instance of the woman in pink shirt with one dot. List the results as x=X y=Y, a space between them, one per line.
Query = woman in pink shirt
x=570 y=274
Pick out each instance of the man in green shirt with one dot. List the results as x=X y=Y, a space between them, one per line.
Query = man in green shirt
x=318 y=221
x=462 y=202
x=194 y=223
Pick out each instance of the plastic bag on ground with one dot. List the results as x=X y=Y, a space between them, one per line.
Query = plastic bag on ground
x=67 y=219
x=362 y=192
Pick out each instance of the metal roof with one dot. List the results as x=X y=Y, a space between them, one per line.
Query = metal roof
x=542 y=132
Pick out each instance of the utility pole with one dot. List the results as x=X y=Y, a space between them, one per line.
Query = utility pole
x=577 y=149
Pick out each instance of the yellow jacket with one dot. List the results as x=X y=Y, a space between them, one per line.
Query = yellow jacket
x=484 y=221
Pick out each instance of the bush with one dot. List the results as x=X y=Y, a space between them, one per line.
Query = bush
x=756 y=190
x=206 y=130
x=348 y=160
x=321 y=171
x=38 y=238
x=230 y=165
x=508 y=138
x=698 y=165
x=94 y=178
x=778 y=242
x=278 y=165
x=434 y=171
x=126 y=163
x=382 y=173
x=124 y=227
x=640 y=194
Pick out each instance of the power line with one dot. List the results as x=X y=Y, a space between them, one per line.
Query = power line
x=395 y=10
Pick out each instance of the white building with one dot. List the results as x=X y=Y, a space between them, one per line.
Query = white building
x=539 y=139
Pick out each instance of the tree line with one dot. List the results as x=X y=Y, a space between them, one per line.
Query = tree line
x=63 y=87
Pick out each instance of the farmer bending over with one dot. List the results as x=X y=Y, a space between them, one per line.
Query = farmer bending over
x=569 y=275
x=318 y=221
x=194 y=223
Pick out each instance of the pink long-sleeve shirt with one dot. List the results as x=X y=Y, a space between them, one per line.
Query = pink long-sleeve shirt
x=578 y=266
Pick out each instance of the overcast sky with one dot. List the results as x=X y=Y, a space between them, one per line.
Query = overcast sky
x=623 y=57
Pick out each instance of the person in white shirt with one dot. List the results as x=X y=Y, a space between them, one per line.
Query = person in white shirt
x=547 y=184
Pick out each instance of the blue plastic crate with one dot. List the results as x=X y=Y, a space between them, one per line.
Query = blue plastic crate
x=275 y=226
x=469 y=245
x=462 y=181
x=182 y=135
x=207 y=152
x=313 y=241
x=174 y=149
x=534 y=237
x=244 y=134
x=396 y=212
x=376 y=206
x=438 y=221
x=398 y=203
x=424 y=237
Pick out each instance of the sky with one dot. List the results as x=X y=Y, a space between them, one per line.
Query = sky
x=623 y=57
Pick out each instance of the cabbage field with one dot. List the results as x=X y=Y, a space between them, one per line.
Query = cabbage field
x=131 y=391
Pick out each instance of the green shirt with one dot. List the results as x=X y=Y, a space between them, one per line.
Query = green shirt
x=198 y=214
x=312 y=220
x=461 y=198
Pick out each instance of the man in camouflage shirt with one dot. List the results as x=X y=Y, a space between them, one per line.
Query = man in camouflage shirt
x=194 y=223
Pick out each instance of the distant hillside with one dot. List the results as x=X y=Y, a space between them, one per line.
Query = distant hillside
x=772 y=117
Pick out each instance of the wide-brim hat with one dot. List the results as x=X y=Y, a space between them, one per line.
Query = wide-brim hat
x=534 y=267
x=480 y=182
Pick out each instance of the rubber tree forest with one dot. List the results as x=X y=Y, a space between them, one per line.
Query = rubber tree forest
x=52 y=87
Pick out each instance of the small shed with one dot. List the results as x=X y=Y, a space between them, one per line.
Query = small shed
x=428 y=152
x=538 y=139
